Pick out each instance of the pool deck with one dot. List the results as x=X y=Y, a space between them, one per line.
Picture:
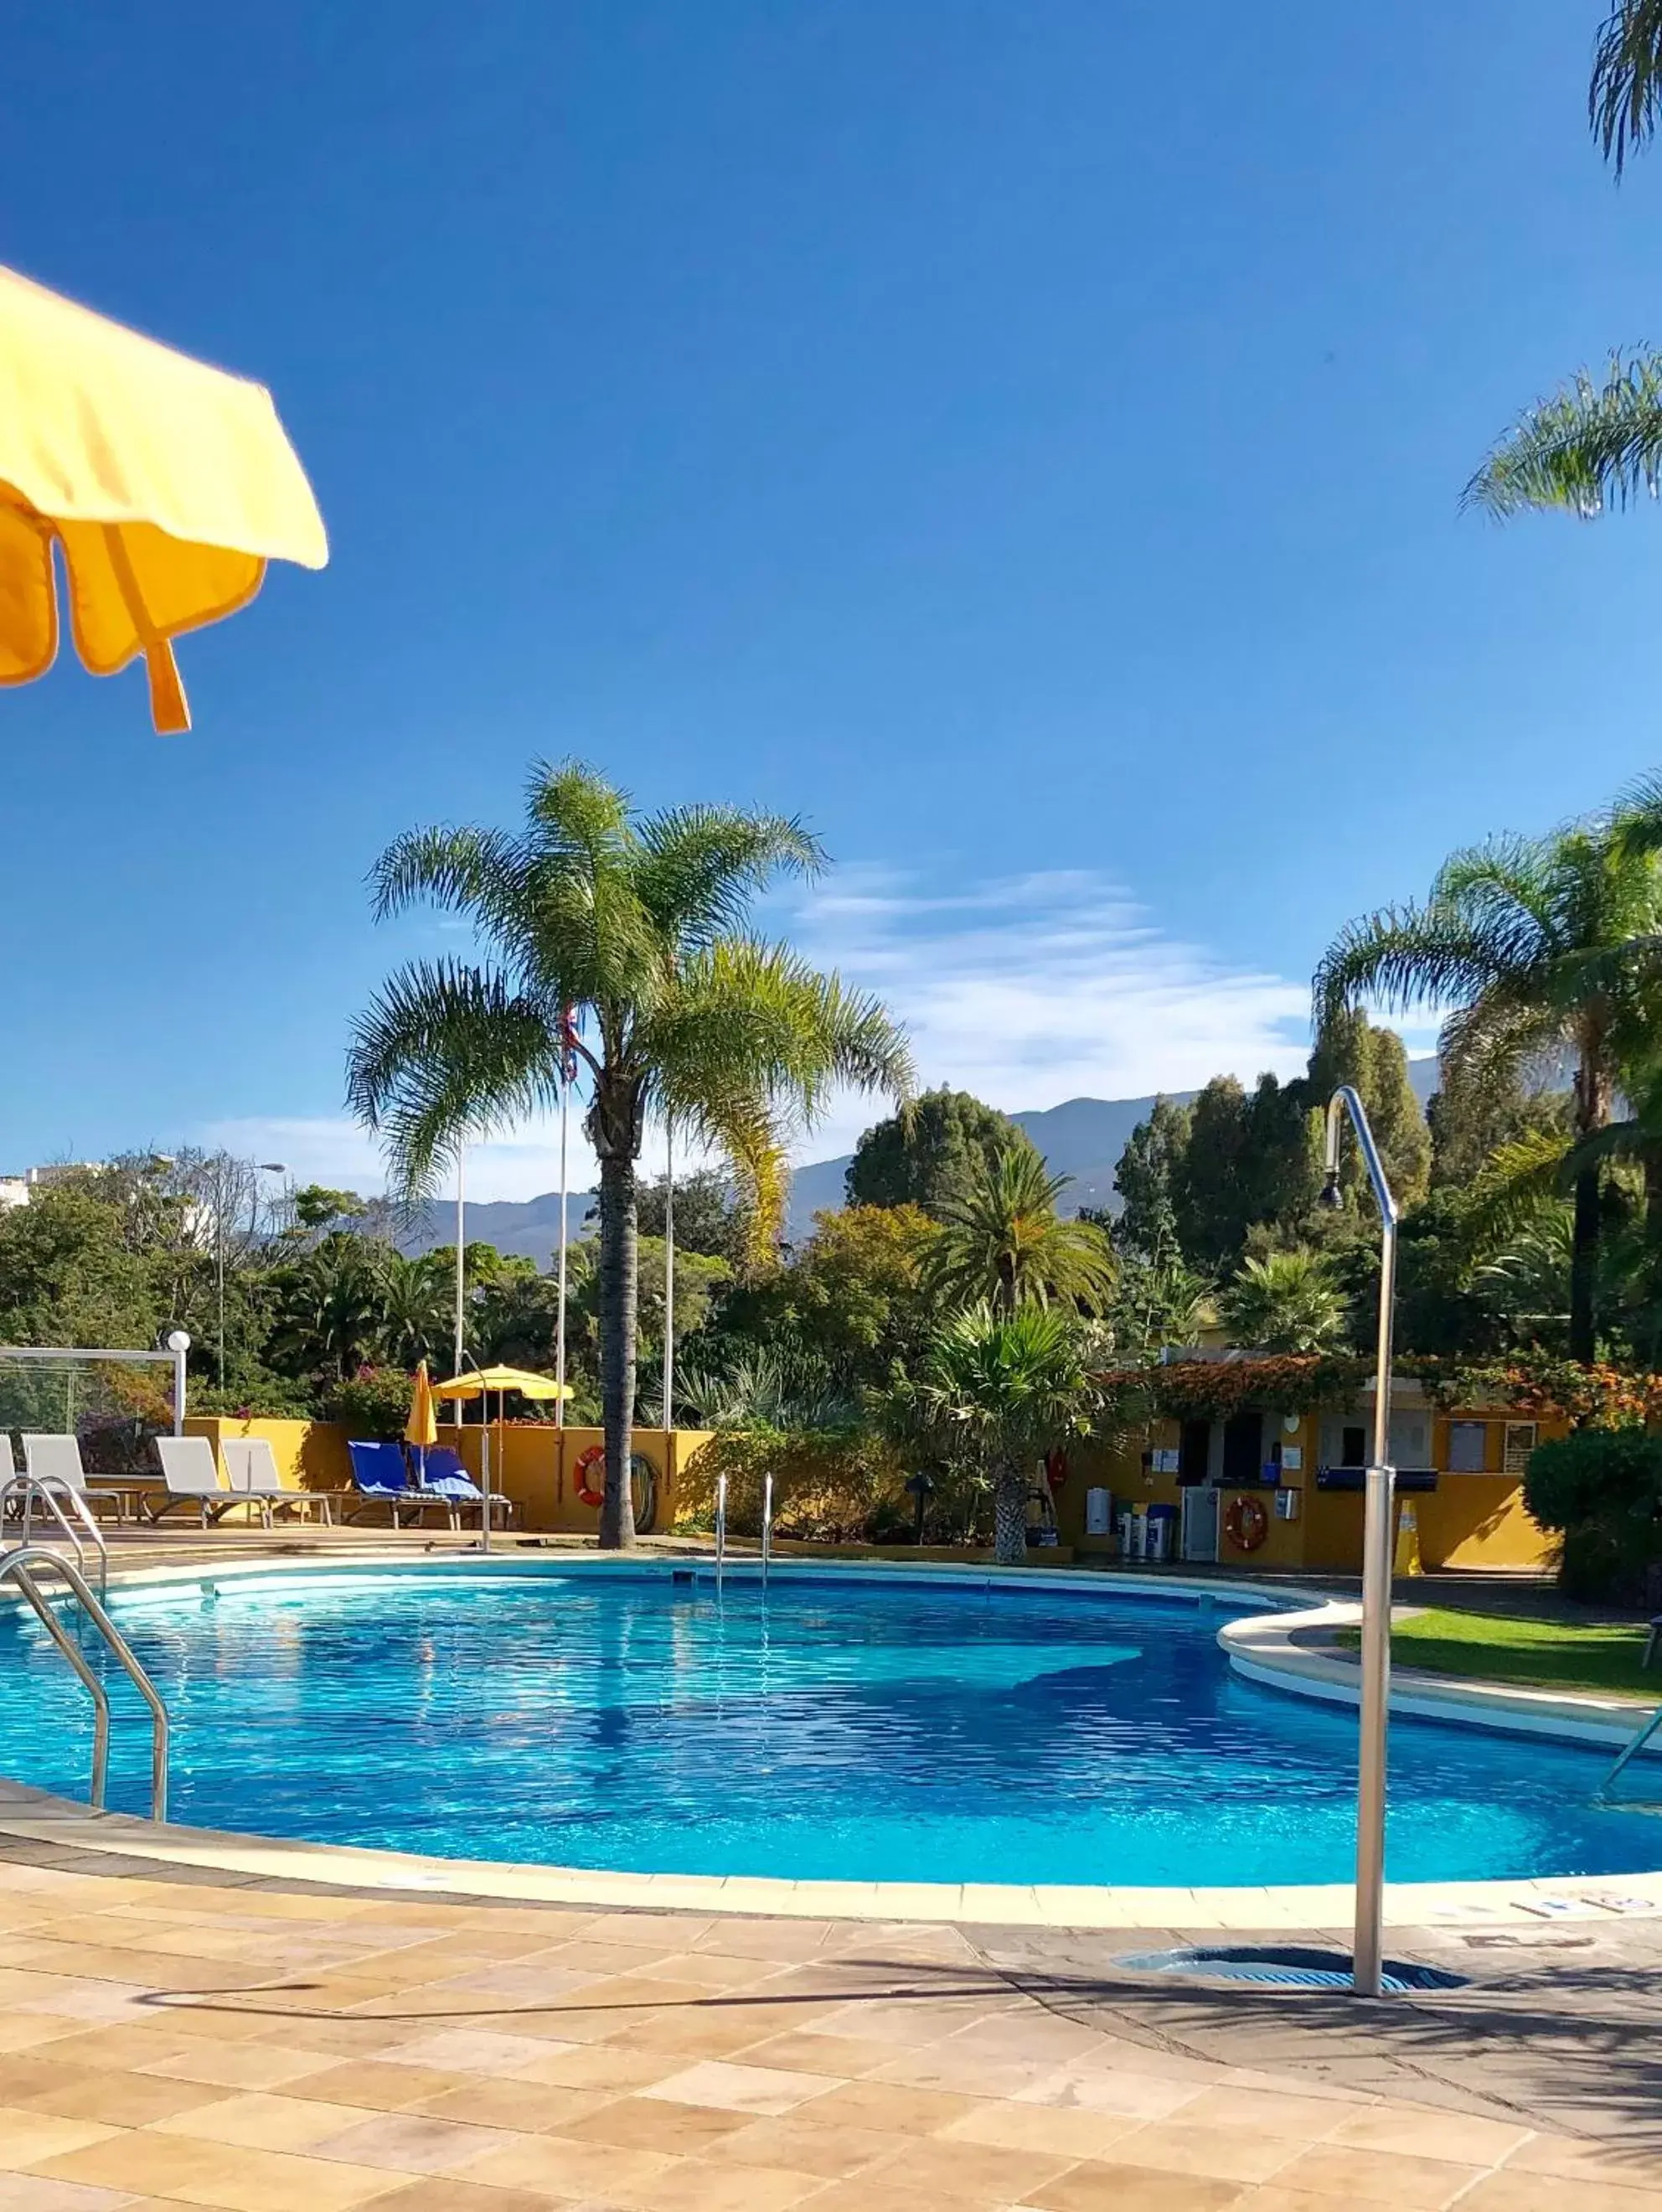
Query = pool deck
x=212 y=2020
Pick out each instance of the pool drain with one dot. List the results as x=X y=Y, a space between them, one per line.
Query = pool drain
x=1285 y=1969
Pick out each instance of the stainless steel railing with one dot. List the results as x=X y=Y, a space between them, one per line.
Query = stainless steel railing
x=20 y=1566
x=33 y=1491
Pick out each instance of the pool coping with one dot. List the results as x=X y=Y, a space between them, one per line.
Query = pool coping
x=58 y=1824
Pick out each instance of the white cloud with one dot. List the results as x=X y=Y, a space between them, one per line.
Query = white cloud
x=1031 y=989
x=1024 y=989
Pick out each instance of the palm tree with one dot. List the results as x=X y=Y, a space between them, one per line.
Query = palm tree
x=1546 y=946
x=632 y=928
x=1002 y=1240
x=1007 y=1385
x=1593 y=444
x=1286 y=1302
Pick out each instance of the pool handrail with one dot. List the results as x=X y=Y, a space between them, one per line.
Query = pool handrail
x=19 y=1565
x=32 y=1489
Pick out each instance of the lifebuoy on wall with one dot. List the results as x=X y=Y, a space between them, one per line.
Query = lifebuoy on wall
x=1246 y=1524
x=588 y=1463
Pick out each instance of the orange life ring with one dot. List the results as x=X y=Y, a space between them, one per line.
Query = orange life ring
x=1246 y=1524
x=595 y=1457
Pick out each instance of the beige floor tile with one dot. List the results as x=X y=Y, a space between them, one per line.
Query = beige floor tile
x=499 y=2101
x=1041 y=2127
x=410 y=2142
x=1259 y=2111
x=1135 y=2095
x=1361 y=2177
x=29 y=2031
x=693 y=2034
x=238 y=2065
x=1506 y=2191
x=566 y=2169
x=976 y=2173
x=759 y=2090
x=806 y=2050
x=693 y=2186
x=605 y=2067
x=884 y=2107
x=1459 y=2137
x=868 y=2193
x=117 y=2100
x=25 y=2192
x=466 y=2051
x=648 y=2123
x=261 y=2121
x=1094 y=2187
x=1582 y=2160
x=794 y=2145
x=30 y=2138
x=1219 y=2154
x=447 y=2192
x=942 y=2066
x=221 y=2174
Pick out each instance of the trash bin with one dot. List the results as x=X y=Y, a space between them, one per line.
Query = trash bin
x=1098 y=1513
x=1163 y=1531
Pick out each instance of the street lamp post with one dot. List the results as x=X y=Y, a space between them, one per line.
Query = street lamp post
x=1379 y=1532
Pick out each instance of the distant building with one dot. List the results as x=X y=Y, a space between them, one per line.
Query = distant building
x=14 y=1189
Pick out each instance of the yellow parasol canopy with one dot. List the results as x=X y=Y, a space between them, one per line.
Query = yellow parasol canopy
x=422 y=1428
x=494 y=1379
x=168 y=484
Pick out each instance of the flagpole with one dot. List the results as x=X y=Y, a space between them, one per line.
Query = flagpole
x=668 y=1271
x=461 y=1263
x=560 y=1324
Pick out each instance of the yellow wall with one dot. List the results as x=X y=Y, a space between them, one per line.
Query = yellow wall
x=538 y=1468
x=1470 y=1520
x=539 y=1476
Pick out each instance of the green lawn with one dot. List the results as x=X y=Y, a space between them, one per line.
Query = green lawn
x=1542 y=1655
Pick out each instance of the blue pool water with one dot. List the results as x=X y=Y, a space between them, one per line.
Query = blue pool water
x=850 y=1728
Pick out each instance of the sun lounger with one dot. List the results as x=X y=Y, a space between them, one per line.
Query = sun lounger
x=380 y=1477
x=56 y=1462
x=442 y=1475
x=191 y=1475
x=253 y=1468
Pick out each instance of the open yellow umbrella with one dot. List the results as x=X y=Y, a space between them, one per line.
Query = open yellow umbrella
x=168 y=484
x=484 y=1382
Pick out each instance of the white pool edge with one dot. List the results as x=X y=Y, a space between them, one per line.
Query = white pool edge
x=60 y=1824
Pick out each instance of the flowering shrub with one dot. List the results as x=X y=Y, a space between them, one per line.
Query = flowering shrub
x=374 y=1405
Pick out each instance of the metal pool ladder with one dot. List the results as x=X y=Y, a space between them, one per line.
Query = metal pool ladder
x=721 y=1527
x=32 y=1492
x=21 y=1565
x=767 y=1526
x=1633 y=1749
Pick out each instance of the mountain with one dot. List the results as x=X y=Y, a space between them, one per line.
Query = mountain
x=1083 y=1138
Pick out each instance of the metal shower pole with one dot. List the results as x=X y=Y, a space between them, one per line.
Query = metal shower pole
x=1378 y=1533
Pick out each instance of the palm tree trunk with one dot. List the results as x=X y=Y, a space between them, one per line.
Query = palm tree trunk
x=618 y=1263
x=1009 y=1518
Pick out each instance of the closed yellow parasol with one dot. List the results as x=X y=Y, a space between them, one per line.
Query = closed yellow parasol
x=421 y=1428
x=168 y=484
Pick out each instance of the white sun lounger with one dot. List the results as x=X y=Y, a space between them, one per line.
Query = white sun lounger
x=191 y=1475
x=56 y=1462
x=252 y=1467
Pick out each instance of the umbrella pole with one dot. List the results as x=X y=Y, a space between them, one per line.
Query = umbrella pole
x=484 y=1471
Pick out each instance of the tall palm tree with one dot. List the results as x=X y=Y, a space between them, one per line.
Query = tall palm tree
x=1595 y=443
x=1545 y=947
x=1009 y=1385
x=1002 y=1240
x=598 y=922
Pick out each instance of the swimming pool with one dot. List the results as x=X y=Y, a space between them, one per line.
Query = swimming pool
x=856 y=1727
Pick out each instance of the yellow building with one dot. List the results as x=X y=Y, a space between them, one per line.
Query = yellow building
x=1280 y=1488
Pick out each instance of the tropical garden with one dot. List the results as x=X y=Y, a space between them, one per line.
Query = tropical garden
x=906 y=1366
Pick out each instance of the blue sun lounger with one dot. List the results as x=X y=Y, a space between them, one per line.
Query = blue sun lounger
x=381 y=1478
x=441 y=1474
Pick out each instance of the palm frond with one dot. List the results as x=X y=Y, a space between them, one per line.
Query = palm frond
x=457 y=869
x=1587 y=446
x=1521 y=1184
x=701 y=867
x=445 y=1052
x=1625 y=96
x=1406 y=956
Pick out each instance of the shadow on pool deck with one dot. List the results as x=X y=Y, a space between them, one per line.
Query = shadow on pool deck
x=1559 y=2030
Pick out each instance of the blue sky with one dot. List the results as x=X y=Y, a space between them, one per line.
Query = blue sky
x=1026 y=440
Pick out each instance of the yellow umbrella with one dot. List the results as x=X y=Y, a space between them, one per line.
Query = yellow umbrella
x=168 y=484
x=499 y=1381
x=421 y=1428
